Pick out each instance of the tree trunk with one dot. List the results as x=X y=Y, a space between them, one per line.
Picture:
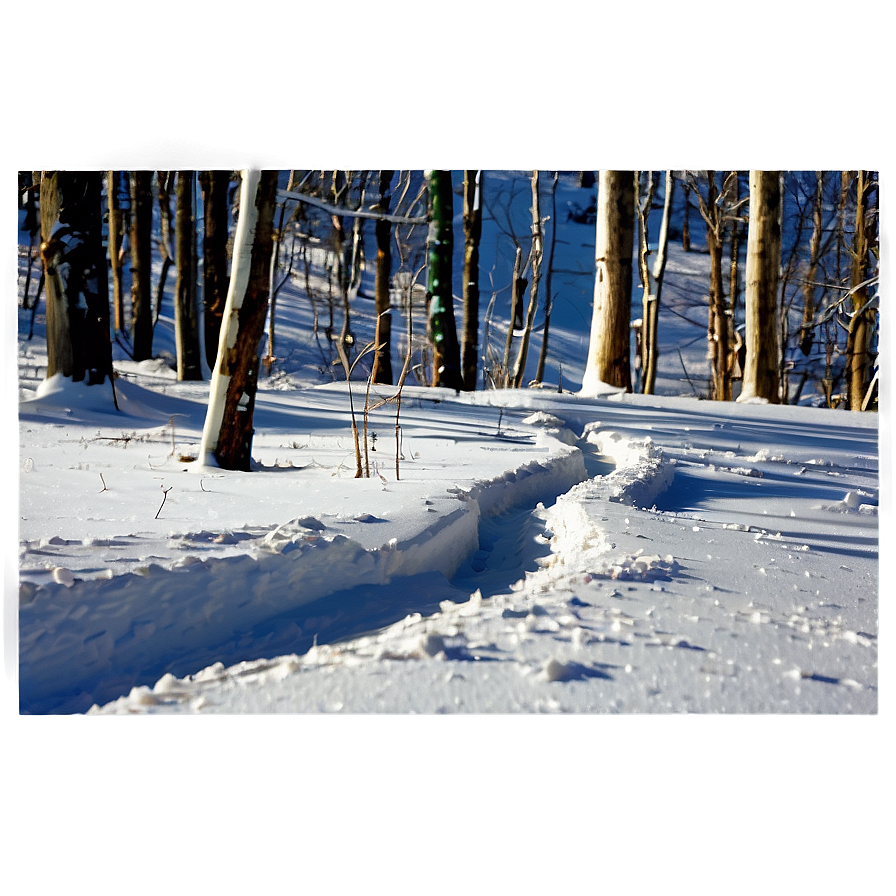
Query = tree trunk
x=807 y=329
x=227 y=434
x=548 y=298
x=733 y=271
x=517 y=288
x=859 y=354
x=472 y=235
x=71 y=217
x=116 y=224
x=215 y=185
x=141 y=260
x=761 y=377
x=382 y=359
x=440 y=247
x=686 y=223
x=537 y=254
x=186 y=311
x=651 y=320
x=609 y=347
x=165 y=181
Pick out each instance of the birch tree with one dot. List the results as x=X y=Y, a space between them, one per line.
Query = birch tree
x=652 y=280
x=472 y=235
x=536 y=255
x=609 y=346
x=78 y=342
x=761 y=369
x=548 y=297
x=859 y=353
x=440 y=246
x=227 y=434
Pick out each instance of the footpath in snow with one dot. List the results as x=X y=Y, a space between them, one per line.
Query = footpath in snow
x=624 y=554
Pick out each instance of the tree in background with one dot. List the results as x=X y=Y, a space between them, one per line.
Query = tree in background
x=548 y=296
x=716 y=208
x=215 y=219
x=165 y=185
x=186 y=310
x=761 y=369
x=141 y=264
x=440 y=246
x=382 y=359
x=472 y=235
x=652 y=276
x=609 y=346
x=536 y=256
x=227 y=434
x=860 y=355
x=74 y=260
x=116 y=235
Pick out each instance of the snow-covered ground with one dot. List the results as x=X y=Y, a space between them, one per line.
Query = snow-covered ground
x=535 y=551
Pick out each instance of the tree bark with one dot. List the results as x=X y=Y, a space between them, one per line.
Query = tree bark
x=472 y=235
x=859 y=355
x=116 y=224
x=165 y=180
x=227 y=435
x=807 y=329
x=382 y=359
x=609 y=347
x=78 y=343
x=215 y=185
x=548 y=298
x=537 y=255
x=517 y=288
x=440 y=247
x=141 y=260
x=186 y=311
x=650 y=338
x=761 y=372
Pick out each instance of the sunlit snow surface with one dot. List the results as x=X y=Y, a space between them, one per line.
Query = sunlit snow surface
x=540 y=552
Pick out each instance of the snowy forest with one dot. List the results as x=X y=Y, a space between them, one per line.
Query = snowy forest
x=285 y=432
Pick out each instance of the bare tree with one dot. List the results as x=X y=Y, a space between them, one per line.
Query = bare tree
x=715 y=209
x=116 y=228
x=609 y=346
x=186 y=310
x=472 y=235
x=165 y=181
x=536 y=255
x=141 y=261
x=227 y=434
x=859 y=352
x=548 y=296
x=652 y=280
x=761 y=372
x=215 y=280
x=382 y=359
x=440 y=245
x=78 y=343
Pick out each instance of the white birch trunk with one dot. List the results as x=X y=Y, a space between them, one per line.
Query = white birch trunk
x=239 y=281
x=608 y=347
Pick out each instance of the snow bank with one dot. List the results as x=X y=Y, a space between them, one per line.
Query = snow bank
x=86 y=641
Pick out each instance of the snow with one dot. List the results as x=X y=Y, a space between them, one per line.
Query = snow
x=543 y=552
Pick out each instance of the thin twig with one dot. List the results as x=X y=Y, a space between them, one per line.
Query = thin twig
x=164 y=498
